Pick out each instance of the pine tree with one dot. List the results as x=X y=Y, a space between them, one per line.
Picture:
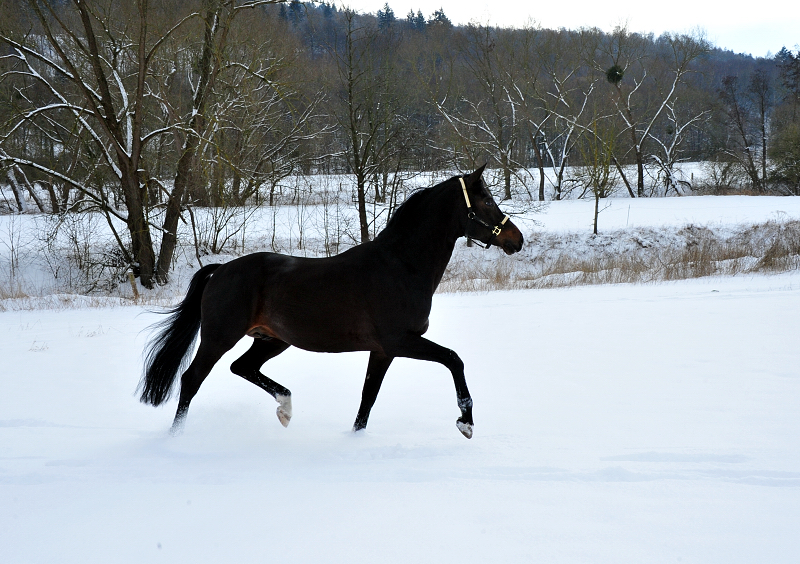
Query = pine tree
x=297 y=12
x=419 y=21
x=416 y=21
x=439 y=18
x=789 y=67
x=386 y=17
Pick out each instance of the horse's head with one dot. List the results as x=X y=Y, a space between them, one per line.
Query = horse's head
x=485 y=222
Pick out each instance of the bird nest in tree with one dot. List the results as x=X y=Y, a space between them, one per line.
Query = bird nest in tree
x=614 y=74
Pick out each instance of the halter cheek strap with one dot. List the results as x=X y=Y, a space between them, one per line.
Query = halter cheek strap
x=471 y=215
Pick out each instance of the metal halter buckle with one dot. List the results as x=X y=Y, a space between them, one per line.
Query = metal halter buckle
x=496 y=230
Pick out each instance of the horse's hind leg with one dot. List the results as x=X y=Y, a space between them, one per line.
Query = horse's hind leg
x=376 y=370
x=208 y=353
x=248 y=367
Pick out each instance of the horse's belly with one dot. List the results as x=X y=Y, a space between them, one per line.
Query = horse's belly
x=318 y=334
x=333 y=342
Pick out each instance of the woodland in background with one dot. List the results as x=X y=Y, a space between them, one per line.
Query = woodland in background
x=145 y=110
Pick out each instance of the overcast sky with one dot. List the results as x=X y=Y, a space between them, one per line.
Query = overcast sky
x=744 y=27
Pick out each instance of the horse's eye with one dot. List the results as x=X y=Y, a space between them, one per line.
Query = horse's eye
x=489 y=202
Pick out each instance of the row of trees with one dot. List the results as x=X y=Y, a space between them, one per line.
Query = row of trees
x=144 y=110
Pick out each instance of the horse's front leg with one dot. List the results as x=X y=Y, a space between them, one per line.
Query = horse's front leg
x=420 y=348
x=376 y=370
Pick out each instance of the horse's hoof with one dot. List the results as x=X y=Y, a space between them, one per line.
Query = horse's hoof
x=465 y=428
x=284 y=410
x=284 y=417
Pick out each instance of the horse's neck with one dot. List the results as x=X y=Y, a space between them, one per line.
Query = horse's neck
x=427 y=245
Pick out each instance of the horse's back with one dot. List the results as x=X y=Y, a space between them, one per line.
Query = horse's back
x=318 y=304
x=349 y=302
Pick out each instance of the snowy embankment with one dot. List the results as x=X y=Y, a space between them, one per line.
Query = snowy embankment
x=619 y=424
x=641 y=240
x=651 y=236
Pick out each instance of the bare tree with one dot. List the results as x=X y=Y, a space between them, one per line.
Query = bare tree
x=759 y=90
x=366 y=102
x=645 y=82
x=215 y=57
x=740 y=145
x=597 y=173
x=525 y=91
x=484 y=113
x=95 y=70
x=566 y=92
x=669 y=143
x=105 y=80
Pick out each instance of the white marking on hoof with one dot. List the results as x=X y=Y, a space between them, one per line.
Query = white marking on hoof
x=465 y=428
x=284 y=410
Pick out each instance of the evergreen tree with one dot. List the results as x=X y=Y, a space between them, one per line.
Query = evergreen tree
x=297 y=12
x=789 y=68
x=416 y=21
x=439 y=18
x=386 y=17
x=785 y=150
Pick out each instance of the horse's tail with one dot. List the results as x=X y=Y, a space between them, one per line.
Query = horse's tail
x=168 y=352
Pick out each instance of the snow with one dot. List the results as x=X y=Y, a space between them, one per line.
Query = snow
x=622 y=213
x=619 y=423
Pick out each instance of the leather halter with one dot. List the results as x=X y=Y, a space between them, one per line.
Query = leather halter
x=496 y=229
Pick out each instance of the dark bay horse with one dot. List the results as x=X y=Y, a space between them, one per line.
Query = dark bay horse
x=374 y=297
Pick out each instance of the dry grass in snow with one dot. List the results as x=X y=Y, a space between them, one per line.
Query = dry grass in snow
x=556 y=260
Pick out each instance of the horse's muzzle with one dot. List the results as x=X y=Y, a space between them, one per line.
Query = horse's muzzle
x=510 y=247
x=510 y=240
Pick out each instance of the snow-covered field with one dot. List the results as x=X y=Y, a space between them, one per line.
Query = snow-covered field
x=622 y=213
x=619 y=424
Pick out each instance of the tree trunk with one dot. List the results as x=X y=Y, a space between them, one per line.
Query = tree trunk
x=540 y=166
x=636 y=144
x=624 y=178
x=30 y=188
x=185 y=174
x=506 y=177
x=559 y=180
x=639 y=170
x=362 y=207
x=763 y=149
x=22 y=205
x=169 y=238
x=141 y=242
x=596 y=209
x=55 y=207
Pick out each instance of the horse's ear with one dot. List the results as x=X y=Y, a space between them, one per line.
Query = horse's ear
x=478 y=173
x=475 y=177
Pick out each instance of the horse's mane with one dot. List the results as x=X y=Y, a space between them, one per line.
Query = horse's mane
x=414 y=206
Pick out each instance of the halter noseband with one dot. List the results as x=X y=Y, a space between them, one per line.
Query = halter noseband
x=496 y=229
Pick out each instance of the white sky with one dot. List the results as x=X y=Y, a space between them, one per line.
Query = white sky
x=744 y=27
